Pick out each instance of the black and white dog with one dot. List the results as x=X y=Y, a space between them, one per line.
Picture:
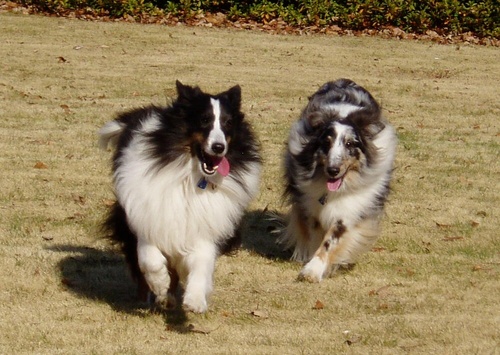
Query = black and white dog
x=338 y=167
x=183 y=176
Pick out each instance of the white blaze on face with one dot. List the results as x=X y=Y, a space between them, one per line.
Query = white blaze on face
x=216 y=135
x=338 y=151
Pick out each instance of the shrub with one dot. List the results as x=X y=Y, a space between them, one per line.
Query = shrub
x=481 y=17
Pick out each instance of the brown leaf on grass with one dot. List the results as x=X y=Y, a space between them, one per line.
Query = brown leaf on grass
x=77 y=215
x=378 y=249
x=450 y=239
x=442 y=224
x=318 y=305
x=383 y=306
x=405 y=271
x=66 y=108
x=80 y=200
x=382 y=291
x=40 y=165
x=353 y=339
x=480 y=268
x=61 y=60
x=260 y=314
x=474 y=223
x=108 y=202
x=196 y=328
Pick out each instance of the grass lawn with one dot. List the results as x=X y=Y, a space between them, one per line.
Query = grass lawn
x=430 y=285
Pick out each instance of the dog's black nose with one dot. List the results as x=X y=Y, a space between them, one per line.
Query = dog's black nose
x=218 y=148
x=332 y=171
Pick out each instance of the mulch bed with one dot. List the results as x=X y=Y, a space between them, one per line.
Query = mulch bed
x=275 y=26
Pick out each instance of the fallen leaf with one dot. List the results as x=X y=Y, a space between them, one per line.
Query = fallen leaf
x=450 y=239
x=353 y=339
x=195 y=328
x=61 y=60
x=407 y=271
x=382 y=291
x=108 y=202
x=81 y=200
x=66 y=108
x=260 y=314
x=474 y=223
x=442 y=224
x=480 y=268
x=318 y=305
x=77 y=215
x=378 y=249
x=40 y=165
x=383 y=306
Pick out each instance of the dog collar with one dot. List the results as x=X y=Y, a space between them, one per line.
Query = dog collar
x=203 y=183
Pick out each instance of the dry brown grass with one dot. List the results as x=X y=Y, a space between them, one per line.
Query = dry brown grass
x=430 y=286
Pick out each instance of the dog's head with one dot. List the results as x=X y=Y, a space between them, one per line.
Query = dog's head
x=344 y=147
x=211 y=121
x=333 y=140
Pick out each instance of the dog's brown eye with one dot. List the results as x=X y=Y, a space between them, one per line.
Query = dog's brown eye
x=349 y=144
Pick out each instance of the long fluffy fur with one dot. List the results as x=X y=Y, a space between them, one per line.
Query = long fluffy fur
x=174 y=210
x=338 y=167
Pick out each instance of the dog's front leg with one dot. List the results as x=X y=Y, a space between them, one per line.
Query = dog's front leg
x=154 y=268
x=317 y=267
x=320 y=265
x=200 y=264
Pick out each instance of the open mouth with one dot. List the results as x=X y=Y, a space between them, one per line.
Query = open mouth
x=334 y=184
x=210 y=164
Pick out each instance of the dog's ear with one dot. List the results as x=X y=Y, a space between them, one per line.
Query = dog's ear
x=233 y=96
x=315 y=119
x=186 y=92
x=368 y=121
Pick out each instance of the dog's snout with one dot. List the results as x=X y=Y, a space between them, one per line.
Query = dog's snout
x=218 y=148
x=332 y=171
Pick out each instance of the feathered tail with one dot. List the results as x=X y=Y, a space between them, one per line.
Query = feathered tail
x=109 y=133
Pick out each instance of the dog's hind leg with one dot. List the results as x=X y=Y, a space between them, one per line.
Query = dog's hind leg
x=303 y=233
x=341 y=246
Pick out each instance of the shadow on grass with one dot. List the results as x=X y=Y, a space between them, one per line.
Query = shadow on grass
x=260 y=233
x=102 y=275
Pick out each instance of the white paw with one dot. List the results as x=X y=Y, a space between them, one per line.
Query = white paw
x=313 y=271
x=195 y=305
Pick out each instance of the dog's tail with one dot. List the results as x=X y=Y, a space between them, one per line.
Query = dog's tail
x=109 y=133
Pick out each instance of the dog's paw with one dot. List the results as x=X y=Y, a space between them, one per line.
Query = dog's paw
x=196 y=306
x=313 y=271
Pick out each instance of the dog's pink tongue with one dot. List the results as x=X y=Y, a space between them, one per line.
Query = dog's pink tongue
x=333 y=184
x=224 y=167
